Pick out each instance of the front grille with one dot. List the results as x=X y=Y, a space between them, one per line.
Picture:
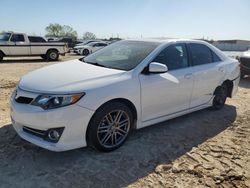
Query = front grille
x=36 y=132
x=24 y=100
x=245 y=61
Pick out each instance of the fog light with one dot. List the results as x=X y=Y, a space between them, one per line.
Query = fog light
x=53 y=135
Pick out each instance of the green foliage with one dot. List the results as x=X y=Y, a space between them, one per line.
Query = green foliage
x=88 y=36
x=57 y=30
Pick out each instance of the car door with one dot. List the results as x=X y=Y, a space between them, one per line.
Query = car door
x=208 y=71
x=167 y=93
x=18 y=45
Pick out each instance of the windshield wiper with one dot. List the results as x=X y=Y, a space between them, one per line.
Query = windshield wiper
x=95 y=63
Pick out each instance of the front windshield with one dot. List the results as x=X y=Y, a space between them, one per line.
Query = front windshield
x=91 y=44
x=5 y=36
x=122 y=55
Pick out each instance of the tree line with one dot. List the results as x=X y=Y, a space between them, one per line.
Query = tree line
x=58 y=31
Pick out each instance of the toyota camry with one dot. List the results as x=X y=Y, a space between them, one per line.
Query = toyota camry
x=131 y=84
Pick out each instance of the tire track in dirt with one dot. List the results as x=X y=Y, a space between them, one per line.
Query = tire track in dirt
x=222 y=161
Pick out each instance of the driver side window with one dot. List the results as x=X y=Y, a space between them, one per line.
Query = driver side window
x=174 y=56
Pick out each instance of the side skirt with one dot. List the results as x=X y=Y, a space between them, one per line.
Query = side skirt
x=174 y=115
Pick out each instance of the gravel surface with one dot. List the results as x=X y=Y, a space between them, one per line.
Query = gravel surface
x=202 y=149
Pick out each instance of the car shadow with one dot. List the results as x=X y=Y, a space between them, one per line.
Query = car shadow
x=245 y=82
x=26 y=165
x=28 y=60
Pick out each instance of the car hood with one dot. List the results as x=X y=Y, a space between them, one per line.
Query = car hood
x=69 y=77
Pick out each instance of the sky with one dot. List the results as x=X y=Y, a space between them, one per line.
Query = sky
x=209 y=19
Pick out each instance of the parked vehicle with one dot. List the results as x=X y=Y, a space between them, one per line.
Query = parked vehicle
x=68 y=40
x=245 y=64
x=89 y=48
x=87 y=42
x=127 y=85
x=19 y=44
x=80 y=44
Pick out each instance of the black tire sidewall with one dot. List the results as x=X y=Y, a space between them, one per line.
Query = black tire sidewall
x=85 y=52
x=222 y=90
x=91 y=134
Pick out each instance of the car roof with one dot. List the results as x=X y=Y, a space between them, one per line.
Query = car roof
x=96 y=43
x=167 y=40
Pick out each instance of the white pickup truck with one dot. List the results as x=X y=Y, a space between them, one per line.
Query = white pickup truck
x=19 y=44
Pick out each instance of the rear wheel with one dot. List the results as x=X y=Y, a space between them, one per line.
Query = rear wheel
x=109 y=127
x=220 y=97
x=52 y=55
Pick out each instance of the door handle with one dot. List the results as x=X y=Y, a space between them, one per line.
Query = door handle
x=188 y=76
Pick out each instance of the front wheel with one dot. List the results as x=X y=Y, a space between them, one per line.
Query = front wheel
x=109 y=127
x=220 y=97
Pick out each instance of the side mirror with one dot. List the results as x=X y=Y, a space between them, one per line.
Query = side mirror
x=155 y=67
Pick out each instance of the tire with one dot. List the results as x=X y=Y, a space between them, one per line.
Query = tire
x=52 y=55
x=220 y=97
x=109 y=127
x=85 y=52
x=1 y=56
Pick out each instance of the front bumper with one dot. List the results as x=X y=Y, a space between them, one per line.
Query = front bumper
x=235 y=86
x=77 y=50
x=73 y=118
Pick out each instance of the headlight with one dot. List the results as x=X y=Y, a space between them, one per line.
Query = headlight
x=55 y=101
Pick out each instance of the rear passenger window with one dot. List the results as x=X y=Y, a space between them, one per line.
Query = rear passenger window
x=201 y=54
x=36 y=39
x=174 y=56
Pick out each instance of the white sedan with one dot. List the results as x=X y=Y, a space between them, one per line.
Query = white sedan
x=128 y=85
x=89 y=48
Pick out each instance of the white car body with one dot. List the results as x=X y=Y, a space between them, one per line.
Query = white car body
x=27 y=48
x=156 y=97
x=91 y=47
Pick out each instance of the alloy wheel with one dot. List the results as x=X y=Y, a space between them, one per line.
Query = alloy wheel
x=113 y=129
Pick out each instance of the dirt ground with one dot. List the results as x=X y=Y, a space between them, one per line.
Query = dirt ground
x=202 y=149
